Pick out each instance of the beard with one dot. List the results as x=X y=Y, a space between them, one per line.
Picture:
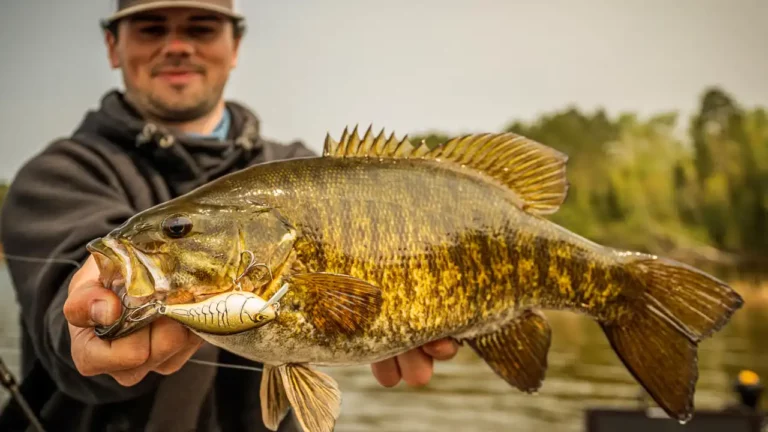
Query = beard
x=180 y=109
x=175 y=104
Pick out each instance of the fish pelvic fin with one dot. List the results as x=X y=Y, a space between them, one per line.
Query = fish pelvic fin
x=657 y=340
x=518 y=351
x=314 y=396
x=534 y=172
x=274 y=401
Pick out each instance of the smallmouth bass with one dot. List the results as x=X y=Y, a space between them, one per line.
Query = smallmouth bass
x=384 y=246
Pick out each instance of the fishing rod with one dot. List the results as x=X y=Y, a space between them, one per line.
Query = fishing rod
x=9 y=382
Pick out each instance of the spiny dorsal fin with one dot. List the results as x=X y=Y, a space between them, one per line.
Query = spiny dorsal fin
x=534 y=171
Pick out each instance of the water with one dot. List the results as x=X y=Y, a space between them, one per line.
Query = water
x=466 y=395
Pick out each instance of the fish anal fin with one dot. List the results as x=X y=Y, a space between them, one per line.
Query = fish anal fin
x=337 y=303
x=517 y=352
x=314 y=396
x=534 y=172
x=274 y=401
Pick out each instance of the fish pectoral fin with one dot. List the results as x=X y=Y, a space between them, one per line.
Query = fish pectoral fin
x=337 y=303
x=274 y=401
x=314 y=396
x=518 y=351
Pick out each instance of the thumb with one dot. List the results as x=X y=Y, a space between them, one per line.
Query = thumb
x=90 y=304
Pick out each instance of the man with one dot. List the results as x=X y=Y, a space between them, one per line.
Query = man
x=170 y=132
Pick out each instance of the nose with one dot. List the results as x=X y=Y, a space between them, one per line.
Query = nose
x=176 y=44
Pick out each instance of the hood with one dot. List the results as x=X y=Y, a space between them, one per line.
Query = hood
x=188 y=161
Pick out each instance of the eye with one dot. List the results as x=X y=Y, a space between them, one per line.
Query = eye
x=153 y=31
x=200 y=31
x=177 y=226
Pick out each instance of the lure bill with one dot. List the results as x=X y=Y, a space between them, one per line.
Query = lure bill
x=381 y=245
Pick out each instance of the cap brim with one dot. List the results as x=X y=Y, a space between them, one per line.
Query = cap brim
x=168 y=5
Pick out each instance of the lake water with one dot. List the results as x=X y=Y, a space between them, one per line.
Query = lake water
x=465 y=395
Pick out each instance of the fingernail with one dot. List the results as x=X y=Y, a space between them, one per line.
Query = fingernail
x=99 y=312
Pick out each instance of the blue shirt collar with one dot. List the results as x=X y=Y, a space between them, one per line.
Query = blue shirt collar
x=221 y=130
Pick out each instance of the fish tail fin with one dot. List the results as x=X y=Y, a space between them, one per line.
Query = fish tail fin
x=657 y=339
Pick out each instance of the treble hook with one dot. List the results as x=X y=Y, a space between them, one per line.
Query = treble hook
x=127 y=313
x=154 y=303
x=251 y=265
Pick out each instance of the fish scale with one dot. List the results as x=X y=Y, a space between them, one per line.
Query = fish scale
x=343 y=219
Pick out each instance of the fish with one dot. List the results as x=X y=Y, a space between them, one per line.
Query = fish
x=380 y=245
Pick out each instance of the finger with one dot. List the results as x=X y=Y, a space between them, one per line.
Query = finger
x=168 y=339
x=94 y=356
x=179 y=359
x=165 y=339
x=416 y=367
x=89 y=303
x=386 y=372
x=442 y=349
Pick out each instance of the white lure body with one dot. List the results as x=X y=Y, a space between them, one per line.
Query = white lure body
x=227 y=313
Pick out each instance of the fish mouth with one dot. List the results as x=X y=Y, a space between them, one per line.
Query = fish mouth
x=125 y=274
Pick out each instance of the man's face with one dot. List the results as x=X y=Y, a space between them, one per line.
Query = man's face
x=175 y=62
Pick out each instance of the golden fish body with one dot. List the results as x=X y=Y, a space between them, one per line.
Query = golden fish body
x=383 y=246
x=452 y=256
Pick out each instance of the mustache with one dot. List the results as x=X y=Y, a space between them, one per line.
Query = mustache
x=177 y=65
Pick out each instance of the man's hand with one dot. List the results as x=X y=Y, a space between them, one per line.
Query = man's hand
x=163 y=347
x=415 y=366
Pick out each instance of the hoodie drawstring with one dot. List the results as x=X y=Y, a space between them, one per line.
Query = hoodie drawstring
x=152 y=133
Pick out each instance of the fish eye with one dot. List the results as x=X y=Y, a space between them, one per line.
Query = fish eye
x=177 y=226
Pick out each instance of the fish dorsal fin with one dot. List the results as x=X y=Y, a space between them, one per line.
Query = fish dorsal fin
x=533 y=171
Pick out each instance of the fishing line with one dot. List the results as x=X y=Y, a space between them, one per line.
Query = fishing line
x=232 y=366
x=78 y=265
x=41 y=260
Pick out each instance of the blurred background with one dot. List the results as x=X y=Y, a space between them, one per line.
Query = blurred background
x=660 y=105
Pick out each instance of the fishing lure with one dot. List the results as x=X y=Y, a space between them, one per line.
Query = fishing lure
x=227 y=313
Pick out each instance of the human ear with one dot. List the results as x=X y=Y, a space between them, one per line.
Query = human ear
x=110 y=40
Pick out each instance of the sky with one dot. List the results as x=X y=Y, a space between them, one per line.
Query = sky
x=308 y=68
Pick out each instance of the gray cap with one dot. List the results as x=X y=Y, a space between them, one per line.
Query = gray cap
x=130 y=7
